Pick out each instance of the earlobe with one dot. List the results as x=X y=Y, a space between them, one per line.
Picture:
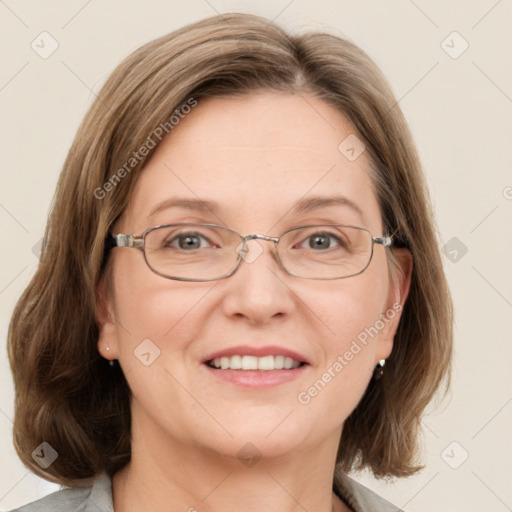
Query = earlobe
x=400 y=283
x=107 y=340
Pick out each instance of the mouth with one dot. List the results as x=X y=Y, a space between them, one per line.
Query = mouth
x=255 y=358
x=254 y=363
x=255 y=367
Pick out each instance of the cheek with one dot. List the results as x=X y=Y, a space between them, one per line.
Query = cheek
x=343 y=375
x=157 y=320
x=350 y=312
x=151 y=307
x=348 y=307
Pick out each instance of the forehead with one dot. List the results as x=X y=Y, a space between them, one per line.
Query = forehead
x=255 y=156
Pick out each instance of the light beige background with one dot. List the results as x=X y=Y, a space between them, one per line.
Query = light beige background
x=460 y=111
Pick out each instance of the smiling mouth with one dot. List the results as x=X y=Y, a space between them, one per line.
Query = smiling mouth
x=266 y=363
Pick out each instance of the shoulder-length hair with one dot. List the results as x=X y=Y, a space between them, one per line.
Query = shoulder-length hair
x=66 y=393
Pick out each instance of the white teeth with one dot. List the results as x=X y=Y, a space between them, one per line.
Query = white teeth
x=255 y=363
x=279 y=362
x=235 y=362
x=249 y=363
x=266 y=363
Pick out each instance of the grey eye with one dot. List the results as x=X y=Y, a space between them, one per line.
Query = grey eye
x=322 y=241
x=188 y=241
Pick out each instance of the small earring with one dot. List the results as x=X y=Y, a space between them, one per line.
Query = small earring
x=111 y=361
x=379 y=369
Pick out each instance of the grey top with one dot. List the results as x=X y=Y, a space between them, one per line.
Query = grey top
x=98 y=498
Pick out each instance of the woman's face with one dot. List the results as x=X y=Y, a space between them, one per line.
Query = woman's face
x=256 y=157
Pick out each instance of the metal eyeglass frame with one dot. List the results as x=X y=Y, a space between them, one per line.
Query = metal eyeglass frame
x=137 y=242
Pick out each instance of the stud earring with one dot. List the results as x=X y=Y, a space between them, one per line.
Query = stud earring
x=111 y=361
x=379 y=369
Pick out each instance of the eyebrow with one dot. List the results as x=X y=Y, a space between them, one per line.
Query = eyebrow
x=304 y=205
x=312 y=203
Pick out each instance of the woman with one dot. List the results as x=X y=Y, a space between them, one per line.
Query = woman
x=166 y=360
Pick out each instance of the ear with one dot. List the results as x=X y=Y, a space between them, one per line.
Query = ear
x=105 y=319
x=400 y=283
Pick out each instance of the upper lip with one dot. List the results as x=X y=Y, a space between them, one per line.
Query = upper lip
x=246 y=350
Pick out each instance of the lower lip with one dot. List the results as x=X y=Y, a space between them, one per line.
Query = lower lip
x=257 y=379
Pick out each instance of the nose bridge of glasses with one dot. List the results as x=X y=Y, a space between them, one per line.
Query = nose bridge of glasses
x=260 y=237
x=242 y=248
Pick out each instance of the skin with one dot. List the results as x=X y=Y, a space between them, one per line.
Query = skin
x=255 y=156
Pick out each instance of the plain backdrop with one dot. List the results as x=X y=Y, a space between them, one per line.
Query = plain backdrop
x=449 y=64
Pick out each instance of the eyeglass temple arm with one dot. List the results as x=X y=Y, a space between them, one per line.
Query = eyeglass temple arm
x=386 y=241
x=121 y=240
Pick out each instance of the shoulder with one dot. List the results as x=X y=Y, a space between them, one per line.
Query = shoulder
x=360 y=498
x=94 y=498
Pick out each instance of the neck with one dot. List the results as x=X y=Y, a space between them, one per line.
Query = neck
x=165 y=474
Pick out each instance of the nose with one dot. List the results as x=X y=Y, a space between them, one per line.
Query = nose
x=258 y=290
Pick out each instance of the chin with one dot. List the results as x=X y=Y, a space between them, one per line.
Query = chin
x=272 y=438
x=249 y=449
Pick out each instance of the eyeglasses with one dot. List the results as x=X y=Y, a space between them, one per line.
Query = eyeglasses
x=207 y=252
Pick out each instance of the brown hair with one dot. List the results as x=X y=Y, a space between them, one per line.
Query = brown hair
x=66 y=394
